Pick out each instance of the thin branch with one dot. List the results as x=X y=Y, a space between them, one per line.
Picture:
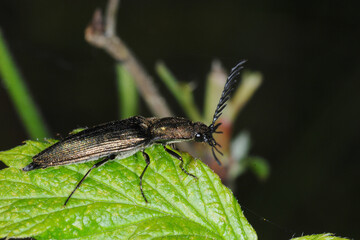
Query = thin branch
x=111 y=13
x=113 y=45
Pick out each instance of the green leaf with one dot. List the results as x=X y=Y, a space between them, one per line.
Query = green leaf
x=259 y=166
x=240 y=145
x=22 y=155
x=109 y=204
x=77 y=130
x=239 y=149
x=324 y=236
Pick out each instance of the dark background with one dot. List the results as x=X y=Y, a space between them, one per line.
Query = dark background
x=304 y=119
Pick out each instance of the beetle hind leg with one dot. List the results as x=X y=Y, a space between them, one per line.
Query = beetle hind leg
x=98 y=164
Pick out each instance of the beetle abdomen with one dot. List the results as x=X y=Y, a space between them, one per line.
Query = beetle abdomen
x=125 y=137
x=31 y=166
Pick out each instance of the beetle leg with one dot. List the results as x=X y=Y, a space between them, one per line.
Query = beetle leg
x=147 y=159
x=98 y=164
x=173 y=146
x=176 y=155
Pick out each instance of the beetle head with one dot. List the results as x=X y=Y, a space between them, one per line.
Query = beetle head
x=205 y=133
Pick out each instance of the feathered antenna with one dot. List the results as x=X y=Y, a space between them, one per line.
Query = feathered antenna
x=225 y=96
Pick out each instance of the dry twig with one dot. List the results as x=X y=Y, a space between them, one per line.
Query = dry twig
x=103 y=35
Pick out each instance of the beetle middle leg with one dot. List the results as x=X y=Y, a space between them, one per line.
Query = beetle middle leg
x=147 y=159
x=176 y=155
x=98 y=164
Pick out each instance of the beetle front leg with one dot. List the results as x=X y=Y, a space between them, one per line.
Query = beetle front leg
x=176 y=155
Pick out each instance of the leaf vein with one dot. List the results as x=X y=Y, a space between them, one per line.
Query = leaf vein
x=27 y=183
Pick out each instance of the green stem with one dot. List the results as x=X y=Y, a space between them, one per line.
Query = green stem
x=20 y=95
x=182 y=94
x=127 y=94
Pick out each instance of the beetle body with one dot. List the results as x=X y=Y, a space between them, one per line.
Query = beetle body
x=122 y=138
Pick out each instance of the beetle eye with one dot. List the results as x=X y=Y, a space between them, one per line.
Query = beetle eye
x=199 y=137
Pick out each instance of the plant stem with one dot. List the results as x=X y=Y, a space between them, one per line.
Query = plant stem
x=102 y=35
x=127 y=93
x=20 y=95
x=182 y=94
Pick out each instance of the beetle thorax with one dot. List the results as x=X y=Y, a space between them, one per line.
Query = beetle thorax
x=171 y=130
